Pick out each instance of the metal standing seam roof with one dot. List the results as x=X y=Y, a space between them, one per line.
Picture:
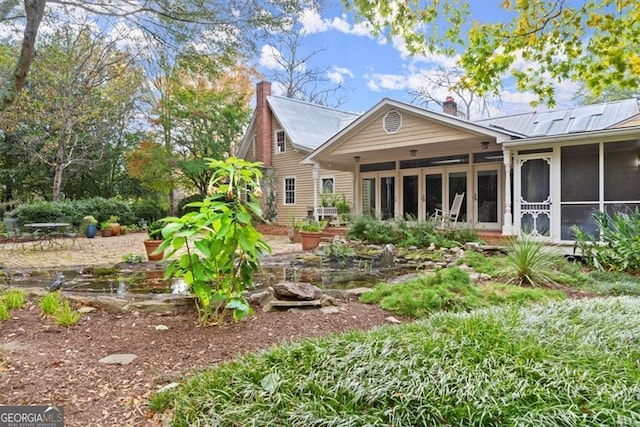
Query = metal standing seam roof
x=583 y=118
x=308 y=125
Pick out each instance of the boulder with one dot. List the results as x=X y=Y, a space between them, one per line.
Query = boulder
x=295 y=291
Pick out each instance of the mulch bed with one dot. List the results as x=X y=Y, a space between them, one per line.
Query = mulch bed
x=60 y=365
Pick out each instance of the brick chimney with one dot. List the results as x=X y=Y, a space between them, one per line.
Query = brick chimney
x=449 y=106
x=264 y=144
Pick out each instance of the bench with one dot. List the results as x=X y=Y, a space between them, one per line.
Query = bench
x=330 y=213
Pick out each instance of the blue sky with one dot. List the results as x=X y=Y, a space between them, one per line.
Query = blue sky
x=372 y=68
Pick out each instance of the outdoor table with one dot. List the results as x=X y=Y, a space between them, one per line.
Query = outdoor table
x=49 y=231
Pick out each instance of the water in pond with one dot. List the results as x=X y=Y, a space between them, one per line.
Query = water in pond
x=148 y=282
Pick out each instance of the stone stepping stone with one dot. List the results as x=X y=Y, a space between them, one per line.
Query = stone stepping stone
x=118 y=359
x=14 y=346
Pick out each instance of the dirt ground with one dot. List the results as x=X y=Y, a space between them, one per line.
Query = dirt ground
x=43 y=363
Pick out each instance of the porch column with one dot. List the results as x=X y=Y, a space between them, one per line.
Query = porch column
x=507 y=224
x=357 y=209
x=315 y=190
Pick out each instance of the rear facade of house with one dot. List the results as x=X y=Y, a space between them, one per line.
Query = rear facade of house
x=538 y=173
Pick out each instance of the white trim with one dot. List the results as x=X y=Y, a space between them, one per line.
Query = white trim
x=501 y=136
x=384 y=122
x=333 y=186
x=607 y=135
x=284 y=190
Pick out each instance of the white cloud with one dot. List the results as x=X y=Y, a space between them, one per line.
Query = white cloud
x=431 y=58
x=277 y=89
x=313 y=22
x=378 y=82
x=337 y=74
x=268 y=57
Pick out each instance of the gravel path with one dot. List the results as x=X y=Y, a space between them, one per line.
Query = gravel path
x=99 y=251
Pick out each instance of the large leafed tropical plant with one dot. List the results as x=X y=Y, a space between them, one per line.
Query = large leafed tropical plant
x=218 y=249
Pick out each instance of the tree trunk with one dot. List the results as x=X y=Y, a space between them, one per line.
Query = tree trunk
x=14 y=84
x=58 y=169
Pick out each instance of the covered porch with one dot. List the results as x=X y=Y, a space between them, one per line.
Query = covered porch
x=407 y=162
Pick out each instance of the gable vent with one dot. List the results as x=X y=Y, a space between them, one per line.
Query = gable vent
x=392 y=122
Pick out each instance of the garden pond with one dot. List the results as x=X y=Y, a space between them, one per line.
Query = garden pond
x=146 y=279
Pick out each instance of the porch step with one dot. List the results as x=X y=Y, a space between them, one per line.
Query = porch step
x=494 y=238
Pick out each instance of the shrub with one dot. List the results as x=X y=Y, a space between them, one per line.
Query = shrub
x=75 y=210
x=446 y=290
x=529 y=262
x=462 y=235
x=44 y=211
x=148 y=210
x=420 y=234
x=618 y=246
x=372 y=230
x=102 y=209
x=337 y=252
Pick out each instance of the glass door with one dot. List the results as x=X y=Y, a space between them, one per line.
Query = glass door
x=410 y=192
x=487 y=193
x=433 y=193
x=458 y=184
x=387 y=196
x=369 y=197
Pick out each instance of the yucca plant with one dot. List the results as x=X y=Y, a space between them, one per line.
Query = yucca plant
x=530 y=262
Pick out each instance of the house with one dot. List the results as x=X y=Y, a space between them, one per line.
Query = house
x=281 y=133
x=539 y=172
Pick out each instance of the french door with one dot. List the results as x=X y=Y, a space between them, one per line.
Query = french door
x=487 y=197
x=424 y=191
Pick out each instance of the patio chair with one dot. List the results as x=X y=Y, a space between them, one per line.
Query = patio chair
x=15 y=235
x=449 y=218
x=69 y=231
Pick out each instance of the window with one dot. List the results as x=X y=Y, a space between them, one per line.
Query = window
x=327 y=185
x=290 y=191
x=280 y=141
x=622 y=171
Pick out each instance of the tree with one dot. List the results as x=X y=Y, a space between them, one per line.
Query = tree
x=593 y=41
x=446 y=80
x=292 y=70
x=210 y=108
x=219 y=23
x=200 y=107
x=613 y=93
x=77 y=104
x=151 y=165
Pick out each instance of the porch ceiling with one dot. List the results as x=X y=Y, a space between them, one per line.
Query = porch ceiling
x=345 y=161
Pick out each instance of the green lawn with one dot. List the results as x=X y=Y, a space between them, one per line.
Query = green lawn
x=560 y=363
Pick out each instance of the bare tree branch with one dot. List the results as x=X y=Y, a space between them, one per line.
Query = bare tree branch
x=446 y=81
